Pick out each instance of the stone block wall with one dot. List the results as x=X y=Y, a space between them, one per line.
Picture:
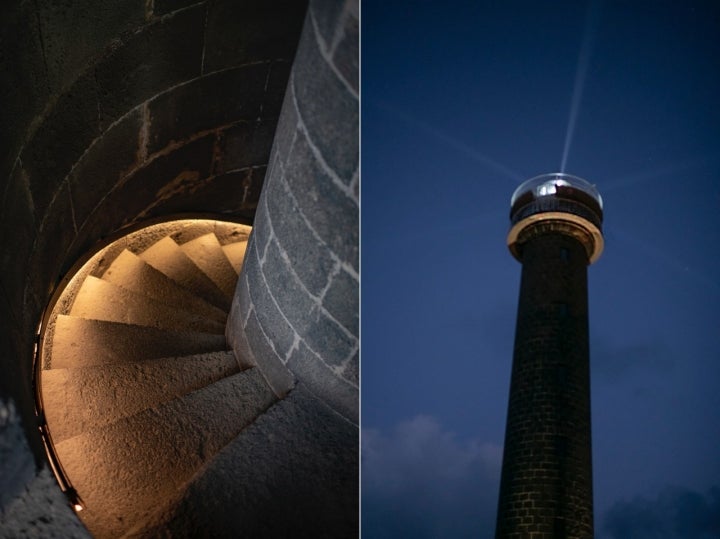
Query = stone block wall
x=115 y=112
x=546 y=484
x=296 y=308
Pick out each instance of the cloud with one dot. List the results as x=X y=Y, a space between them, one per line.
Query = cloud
x=676 y=512
x=420 y=481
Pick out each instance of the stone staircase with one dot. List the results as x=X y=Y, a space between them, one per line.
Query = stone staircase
x=139 y=390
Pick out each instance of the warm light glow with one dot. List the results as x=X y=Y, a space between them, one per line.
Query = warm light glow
x=83 y=296
x=591 y=229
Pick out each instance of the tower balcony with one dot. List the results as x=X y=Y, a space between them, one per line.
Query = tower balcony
x=556 y=202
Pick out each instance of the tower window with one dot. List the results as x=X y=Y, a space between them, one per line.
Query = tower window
x=564 y=254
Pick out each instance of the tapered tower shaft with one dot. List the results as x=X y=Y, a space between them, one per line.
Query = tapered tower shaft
x=546 y=483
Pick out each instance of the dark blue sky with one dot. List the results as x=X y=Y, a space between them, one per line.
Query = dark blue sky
x=461 y=101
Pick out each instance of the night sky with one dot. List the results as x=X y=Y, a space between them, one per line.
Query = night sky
x=462 y=101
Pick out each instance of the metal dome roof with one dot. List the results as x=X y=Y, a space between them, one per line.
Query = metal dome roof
x=547 y=184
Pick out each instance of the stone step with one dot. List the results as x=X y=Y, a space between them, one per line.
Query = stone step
x=302 y=453
x=98 y=299
x=127 y=467
x=131 y=272
x=78 y=342
x=208 y=255
x=235 y=253
x=80 y=399
x=167 y=257
x=225 y=232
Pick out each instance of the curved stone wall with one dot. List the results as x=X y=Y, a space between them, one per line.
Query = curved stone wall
x=114 y=112
x=296 y=307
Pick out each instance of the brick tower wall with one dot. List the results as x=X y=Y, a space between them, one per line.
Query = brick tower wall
x=546 y=484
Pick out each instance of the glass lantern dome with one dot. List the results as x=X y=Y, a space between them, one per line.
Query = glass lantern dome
x=557 y=203
x=556 y=184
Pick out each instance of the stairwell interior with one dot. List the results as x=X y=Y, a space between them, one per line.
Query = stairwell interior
x=138 y=386
x=155 y=426
x=118 y=114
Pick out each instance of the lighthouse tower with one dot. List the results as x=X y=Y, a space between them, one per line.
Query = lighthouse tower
x=546 y=483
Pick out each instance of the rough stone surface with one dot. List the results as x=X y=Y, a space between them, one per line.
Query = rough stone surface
x=306 y=228
x=101 y=300
x=546 y=484
x=31 y=504
x=331 y=211
x=232 y=234
x=240 y=32
x=80 y=399
x=298 y=460
x=60 y=140
x=310 y=321
x=170 y=49
x=276 y=86
x=17 y=228
x=207 y=254
x=206 y=103
x=41 y=510
x=17 y=342
x=148 y=192
x=167 y=257
x=325 y=383
x=178 y=169
x=341 y=301
x=263 y=354
x=99 y=392
x=315 y=260
x=16 y=461
x=246 y=144
x=162 y=7
x=112 y=342
x=345 y=54
x=351 y=371
x=235 y=252
x=77 y=162
x=48 y=254
x=262 y=230
x=188 y=431
x=97 y=22
x=27 y=89
x=107 y=161
x=129 y=271
x=279 y=331
x=322 y=99
x=219 y=194
x=326 y=15
x=285 y=134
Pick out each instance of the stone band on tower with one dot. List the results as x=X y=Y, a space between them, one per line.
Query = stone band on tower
x=546 y=483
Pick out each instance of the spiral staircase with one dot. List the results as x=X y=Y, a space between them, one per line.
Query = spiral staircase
x=137 y=385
